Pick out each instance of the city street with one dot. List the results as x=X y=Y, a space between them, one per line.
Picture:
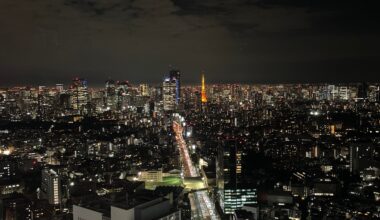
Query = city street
x=201 y=204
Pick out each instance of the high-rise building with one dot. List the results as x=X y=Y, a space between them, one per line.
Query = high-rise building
x=332 y=92
x=59 y=88
x=64 y=100
x=8 y=167
x=175 y=75
x=79 y=95
x=110 y=95
x=51 y=186
x=122 y=94
x=363 y=90
x=169 y=93
x=232 y=192
x=203 y=92
x=362 y=156
x=144 y=89
x=15 y=206
x=373 y=93
x=343 y=93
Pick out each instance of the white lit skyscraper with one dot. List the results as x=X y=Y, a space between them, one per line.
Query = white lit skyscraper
x=51 y=187
x=169 y=93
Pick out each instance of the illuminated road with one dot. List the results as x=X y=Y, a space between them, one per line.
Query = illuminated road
x=201 y=205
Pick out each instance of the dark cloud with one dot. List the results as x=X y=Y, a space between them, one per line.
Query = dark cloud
x=45 y=41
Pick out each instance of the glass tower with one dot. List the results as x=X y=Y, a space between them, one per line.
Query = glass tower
x=233 y=193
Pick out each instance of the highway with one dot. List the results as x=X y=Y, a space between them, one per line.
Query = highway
x=201 y=205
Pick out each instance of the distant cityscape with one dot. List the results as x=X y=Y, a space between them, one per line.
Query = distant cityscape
x=173 y=151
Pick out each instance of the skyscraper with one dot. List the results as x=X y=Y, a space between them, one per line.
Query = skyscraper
x=144 y=89
x=8 y=167
x=79 y=95
x=176 y=75
x=169 y=93
x=232 y=192
x=110 y=95
x=203 y=92
x=362 y=156
x=121 y=93
x=363 y=90
x=51 y=186
x=59 y=88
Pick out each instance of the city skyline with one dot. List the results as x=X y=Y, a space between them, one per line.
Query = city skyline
x=213 y=152
x=189 y=110
x=100 y=84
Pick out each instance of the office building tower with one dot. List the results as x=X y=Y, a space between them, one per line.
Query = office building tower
x=51 y=187
x=110 y=95
x=3 y=96
x=8 y=167
x=232 y=192
x=42 y=89
x=373 y=93
x=344 y=93
x=175 y=75
x=15 y=206
x=64 y=100
x=169 y=93
x=363 y=90
x=322 y=93
x=122 y=95
x=79 y=95
x=59 y=88
x=362 y=156
x=144 y=89
x=332 y=92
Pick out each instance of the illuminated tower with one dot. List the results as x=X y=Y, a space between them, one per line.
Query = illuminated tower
x=110 y=95
x=51 y=186
x=233 y=192
x=203 y=93
x=176 y=75
x=79 y=94
x=169 y=93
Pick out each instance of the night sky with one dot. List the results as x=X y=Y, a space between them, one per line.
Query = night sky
x=248 y=41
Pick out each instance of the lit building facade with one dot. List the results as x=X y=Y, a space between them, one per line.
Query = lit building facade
x=150 y=175
x=51 y=187
x=110 y=95
x=59 y=88
x=8 y=167
x=175 y=75
x=144 y=90
x=79 y=95
x=122 y=94
x=232 y=193
x=169 y=94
